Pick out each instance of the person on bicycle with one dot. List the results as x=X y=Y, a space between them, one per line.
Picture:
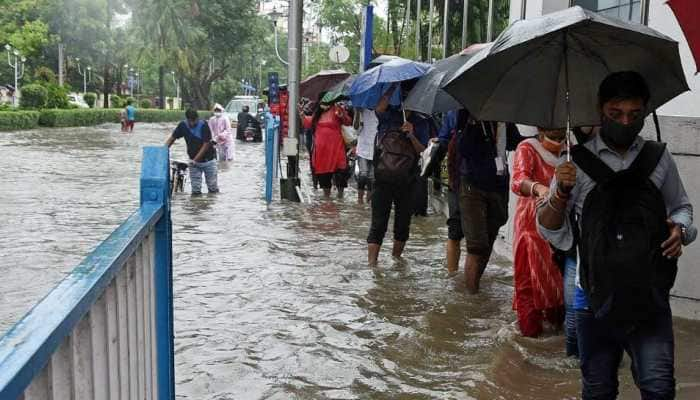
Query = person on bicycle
x=200 y=150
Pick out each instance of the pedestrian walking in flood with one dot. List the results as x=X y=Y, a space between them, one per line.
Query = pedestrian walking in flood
x=538 y=294
x=396 y=171
x=483 y=197
x=200 y=150
x=328 y=158
x=448 y=137
x=130 y=117
x=220 y=126
x=367 y=123
x=634 y=217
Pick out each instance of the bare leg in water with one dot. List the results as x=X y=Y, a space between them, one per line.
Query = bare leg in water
x=398 y=248
x=453 y=254
x=373 y=253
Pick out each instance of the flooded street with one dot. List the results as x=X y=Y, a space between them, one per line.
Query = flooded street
x=278 y=302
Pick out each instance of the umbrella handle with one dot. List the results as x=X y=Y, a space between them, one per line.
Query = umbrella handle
x=656 y=124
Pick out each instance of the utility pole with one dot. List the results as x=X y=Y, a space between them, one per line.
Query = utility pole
x=465 y=16
x=418 y=55
x=291 y=142
x=445 y=29
x=523 y=9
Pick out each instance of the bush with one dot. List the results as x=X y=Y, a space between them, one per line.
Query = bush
x=34 y=96
x=57 y=96
x=16 y=120
x=116 y=101
x=78 y=117
x=145 y=103
x=130 y=99
x=97 y=116
x=90 y=99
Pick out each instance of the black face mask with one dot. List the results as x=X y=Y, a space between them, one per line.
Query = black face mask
x=619 y=135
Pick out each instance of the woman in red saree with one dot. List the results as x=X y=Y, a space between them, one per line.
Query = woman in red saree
x=328 y=158
x=539 y=292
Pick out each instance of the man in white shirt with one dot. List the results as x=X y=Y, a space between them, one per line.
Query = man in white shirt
x=366 y=122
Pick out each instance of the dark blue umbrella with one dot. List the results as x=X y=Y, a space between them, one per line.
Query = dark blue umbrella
x=370 y=85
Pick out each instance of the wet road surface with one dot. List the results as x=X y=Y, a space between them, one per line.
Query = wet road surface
x=277 y=302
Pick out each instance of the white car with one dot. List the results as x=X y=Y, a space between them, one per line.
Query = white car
x=77 y=100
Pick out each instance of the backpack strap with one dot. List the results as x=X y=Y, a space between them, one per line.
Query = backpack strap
x=591 y=164
x=649 y=157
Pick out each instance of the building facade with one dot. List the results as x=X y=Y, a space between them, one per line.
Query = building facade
x=679 y=118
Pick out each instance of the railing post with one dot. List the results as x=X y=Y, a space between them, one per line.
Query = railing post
x=155 y=189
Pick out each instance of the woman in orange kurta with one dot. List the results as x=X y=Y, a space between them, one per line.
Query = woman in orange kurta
x=538 y=282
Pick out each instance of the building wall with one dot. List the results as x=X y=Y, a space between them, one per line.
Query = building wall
x=680 y=126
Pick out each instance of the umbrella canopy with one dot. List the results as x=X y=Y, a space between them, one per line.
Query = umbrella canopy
x=381 y=60
x=687 y=13
x=524 y=77
x=314 y=85
x=370 y=85
x=339 y=90
x=427 y=96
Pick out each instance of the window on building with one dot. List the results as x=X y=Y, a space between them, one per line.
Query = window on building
x=626 y=10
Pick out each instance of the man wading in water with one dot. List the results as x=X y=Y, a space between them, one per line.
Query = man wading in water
x=202 y=154
x=634 y=216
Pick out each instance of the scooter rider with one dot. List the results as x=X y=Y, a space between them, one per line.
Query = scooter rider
x=244 y=119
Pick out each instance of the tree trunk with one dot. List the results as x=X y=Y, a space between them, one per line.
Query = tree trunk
x=107 y=89
x=161 y=86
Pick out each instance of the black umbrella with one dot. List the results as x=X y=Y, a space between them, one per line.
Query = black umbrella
x=427 y=96
x=546 y=71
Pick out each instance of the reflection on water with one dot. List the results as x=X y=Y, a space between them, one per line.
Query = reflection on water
x=277 y=302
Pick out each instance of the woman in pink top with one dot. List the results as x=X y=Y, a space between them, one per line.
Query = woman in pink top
x=221 y=133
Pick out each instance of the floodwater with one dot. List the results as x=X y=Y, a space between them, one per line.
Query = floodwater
x=277 y=302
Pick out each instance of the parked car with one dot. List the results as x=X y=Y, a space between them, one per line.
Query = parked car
x=77 y=100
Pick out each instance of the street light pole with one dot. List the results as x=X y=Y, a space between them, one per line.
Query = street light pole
x=445 y=29
x=274 y=16
x=418 y=55
x=82 y=73
x=16 y=62
x=177 y=89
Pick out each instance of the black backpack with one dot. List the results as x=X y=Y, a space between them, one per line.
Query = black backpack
x=395 y=160
x=623 y=223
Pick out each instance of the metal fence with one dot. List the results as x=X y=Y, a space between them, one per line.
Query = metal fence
x=106 y=330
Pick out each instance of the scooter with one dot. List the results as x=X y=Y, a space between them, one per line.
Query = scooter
x=249 y=134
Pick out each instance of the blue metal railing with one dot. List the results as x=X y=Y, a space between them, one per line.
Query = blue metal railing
x=106 y=330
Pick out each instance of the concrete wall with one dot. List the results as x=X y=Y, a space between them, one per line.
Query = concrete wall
x=680 y=126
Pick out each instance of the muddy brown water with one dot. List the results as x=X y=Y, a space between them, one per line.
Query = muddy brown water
x=277 y=302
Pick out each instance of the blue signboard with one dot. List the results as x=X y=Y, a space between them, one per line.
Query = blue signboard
x=273 y=93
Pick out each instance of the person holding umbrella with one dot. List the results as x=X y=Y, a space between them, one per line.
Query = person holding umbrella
x=399 y=143
x=634 y=217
